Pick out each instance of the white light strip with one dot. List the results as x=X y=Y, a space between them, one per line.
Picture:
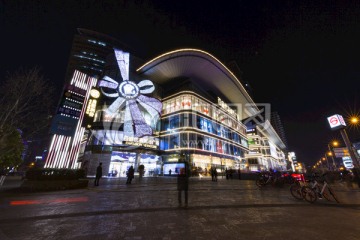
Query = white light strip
x=63 y=152
x=75 y=146
x=57 y=151
x=50 y=152
x=52 y=159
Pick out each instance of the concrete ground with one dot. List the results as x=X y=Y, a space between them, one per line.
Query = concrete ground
x=227 y=209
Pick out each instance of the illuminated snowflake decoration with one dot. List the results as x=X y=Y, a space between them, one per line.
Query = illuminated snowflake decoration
x=130 y=95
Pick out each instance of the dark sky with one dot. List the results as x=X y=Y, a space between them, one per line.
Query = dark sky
x=303 y=57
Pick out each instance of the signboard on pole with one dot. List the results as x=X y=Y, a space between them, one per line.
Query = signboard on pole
x=348 y=163
x=341 y=152
x=336 y=122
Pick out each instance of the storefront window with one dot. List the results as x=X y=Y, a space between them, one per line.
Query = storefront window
x=186 y=102
x=165 y=124
x=200 y=142
x=174 y=122
x=177 y=104
x=184 y=140
x=192 y=140
x=164 y=143
x=174 y=141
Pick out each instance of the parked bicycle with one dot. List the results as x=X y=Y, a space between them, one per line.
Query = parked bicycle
x=270 y=177
x=264 y=178
x=295 y=189
x=318 y=188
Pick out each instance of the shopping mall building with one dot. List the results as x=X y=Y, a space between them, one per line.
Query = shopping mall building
x=184 y=105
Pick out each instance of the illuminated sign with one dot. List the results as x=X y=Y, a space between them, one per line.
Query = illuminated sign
x=91 y=107
x=72 y=102
x=341 y=152
x=336 y=122
x=348 y=163
x=94 y=93
x=141 y=144
x=148 y=142
x=130 y=95
x=226 y=107
x=129 y=89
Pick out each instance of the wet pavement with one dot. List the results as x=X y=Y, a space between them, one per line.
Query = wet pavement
x=227 y=209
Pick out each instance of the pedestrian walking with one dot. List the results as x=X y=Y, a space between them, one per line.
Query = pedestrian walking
x=183 y=184
x=130 y=175
x=98 y=174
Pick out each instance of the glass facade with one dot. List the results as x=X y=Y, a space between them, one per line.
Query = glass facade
x=190 y=123
x=195 y=104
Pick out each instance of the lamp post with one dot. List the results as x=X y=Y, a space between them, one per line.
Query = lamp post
x=351 y=149
x=337 y=122
x=327 y=161
x=331 y=152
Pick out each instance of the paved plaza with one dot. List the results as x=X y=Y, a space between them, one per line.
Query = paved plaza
x=227 y=209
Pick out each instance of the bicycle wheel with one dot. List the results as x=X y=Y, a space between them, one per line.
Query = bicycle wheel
x=295 y=190
x=260 y=182
x=332 y=193
x=309 y=194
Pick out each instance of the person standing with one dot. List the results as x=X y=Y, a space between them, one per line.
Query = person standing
x=183 y=184
x=215 y=175
x=98 y=174
x=212 y=172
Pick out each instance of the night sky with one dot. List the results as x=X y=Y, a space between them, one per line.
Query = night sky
x=303 y=58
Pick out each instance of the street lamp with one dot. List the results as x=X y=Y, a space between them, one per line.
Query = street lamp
x=354 y=120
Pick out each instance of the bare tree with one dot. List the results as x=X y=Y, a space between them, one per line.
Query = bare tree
x=26 y=99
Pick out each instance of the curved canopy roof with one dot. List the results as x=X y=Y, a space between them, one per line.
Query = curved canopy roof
x=204 y=69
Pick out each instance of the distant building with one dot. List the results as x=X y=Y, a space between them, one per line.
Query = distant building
x=266 y=149
x=183 y=105
x=278 y=126
x=89 y=52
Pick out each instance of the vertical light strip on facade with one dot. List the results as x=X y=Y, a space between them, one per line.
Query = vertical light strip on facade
x=63 y=153
x=51 y=151
x=75 y=147
x=64 y=150
x=58 y=147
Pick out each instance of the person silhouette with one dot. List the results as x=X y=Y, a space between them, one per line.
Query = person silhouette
x=183 y=184
x=98 y=174
x=130 y=175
